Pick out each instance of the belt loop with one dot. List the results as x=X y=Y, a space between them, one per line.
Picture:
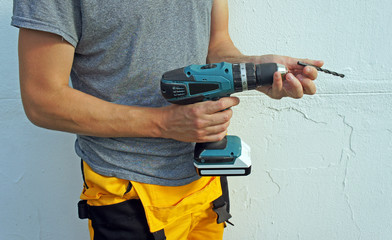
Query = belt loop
x=129 y=188
x=83 y=210
x=84 y=179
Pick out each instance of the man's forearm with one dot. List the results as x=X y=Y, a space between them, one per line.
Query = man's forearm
x=226 y=51
x=72 y=111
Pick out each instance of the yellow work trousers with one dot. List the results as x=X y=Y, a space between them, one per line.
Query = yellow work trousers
x=123 y=209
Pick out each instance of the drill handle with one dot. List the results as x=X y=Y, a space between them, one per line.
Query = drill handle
x=200 y=147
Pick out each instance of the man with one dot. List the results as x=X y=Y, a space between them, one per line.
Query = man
x=136 y=148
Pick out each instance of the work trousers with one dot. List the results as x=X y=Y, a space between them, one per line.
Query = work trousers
x=115 y=212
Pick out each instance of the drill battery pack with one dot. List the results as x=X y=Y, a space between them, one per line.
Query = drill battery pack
x=228 y=157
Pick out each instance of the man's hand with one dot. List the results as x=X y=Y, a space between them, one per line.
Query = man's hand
x=297 y=82
x=200 y=122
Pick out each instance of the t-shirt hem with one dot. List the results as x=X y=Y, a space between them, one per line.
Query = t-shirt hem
x=32 y=24
x=136 y=177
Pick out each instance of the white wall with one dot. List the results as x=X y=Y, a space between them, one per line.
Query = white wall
x=40 y=180
x=322 y=165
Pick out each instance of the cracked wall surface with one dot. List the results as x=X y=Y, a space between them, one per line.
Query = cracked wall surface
x=322 y=165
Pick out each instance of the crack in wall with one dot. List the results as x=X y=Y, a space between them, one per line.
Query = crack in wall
x=348 y=154
x=14 y=179
x=298 y=111
x=308 y=170
x=39 y=223
x=351 y=133
x=355 y=93
x=274 y=182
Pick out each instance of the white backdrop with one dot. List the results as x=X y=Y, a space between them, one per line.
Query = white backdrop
x=322 y=165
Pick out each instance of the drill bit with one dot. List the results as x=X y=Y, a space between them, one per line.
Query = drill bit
x=321 y=69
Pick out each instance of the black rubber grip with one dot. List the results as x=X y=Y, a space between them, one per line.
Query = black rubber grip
x=265 y=73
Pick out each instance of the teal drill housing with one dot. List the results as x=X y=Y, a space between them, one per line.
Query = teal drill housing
x=210 y=82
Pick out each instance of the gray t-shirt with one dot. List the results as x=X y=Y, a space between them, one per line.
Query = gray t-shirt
x=122 y=48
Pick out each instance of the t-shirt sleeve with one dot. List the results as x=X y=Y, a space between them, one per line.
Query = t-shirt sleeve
x=61 y=17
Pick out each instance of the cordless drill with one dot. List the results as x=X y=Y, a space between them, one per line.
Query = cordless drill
x=196 y=83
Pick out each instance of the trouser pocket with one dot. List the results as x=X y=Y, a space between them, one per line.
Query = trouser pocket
x=121 y=221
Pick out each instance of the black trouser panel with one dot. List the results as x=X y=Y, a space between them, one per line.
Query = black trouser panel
x=122 y=221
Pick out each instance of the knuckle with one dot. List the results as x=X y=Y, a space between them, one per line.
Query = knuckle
x=198 y=123
x=226 y=125
x=222 y=128
x=199 y=135
x=227 y=116
x=221 y=104
x=195 y=111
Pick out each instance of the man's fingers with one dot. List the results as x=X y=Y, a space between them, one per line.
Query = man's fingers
x=215 y=119
x=221 y=117
x=213 y=138
x=277 y=91
x=221 y=104
x=310 y=72
x=296 y=69
x=317 y=63
x=293 y=86
x=217 y=129
x=212 y=133
x=307 y=84
x=277 y=84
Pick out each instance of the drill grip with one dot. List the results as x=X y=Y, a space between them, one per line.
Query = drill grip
x=265 y=73
x=200 y=147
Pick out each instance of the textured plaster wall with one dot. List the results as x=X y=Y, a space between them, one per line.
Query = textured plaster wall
x=322 y=165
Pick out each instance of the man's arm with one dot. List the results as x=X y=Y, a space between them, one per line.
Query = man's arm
x=221 y=46
x=298 y=81
x=45 y=62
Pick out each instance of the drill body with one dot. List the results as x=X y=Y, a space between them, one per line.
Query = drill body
x=196 y=83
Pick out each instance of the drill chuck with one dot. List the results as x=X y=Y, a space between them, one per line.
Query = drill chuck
x=248 y=76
